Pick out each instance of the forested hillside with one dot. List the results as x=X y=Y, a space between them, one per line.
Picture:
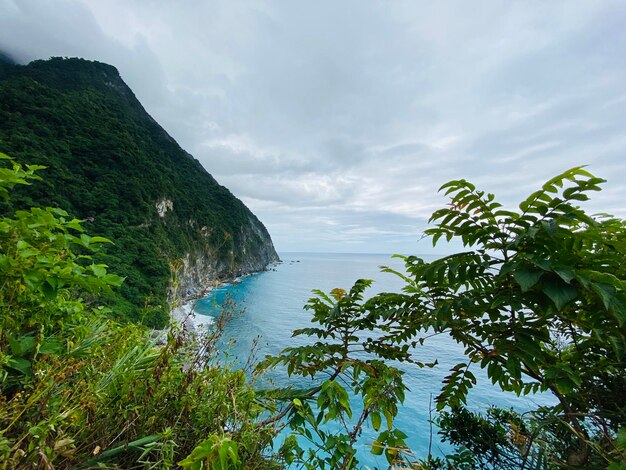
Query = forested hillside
x=109 y=163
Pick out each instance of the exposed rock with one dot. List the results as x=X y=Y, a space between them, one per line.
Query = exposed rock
x=163 y=205
x=201 y=270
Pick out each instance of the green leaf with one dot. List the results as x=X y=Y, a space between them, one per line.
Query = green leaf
x=564 y=385
x=566 y=274
x=527 y=278
x=98 y=269
x=20 y=364
x=99 y=240
x=50 y=346
x=376 y=420
x=561 y=294
x=113 y=280
x=22 y=345
x=85 y=239
x=377 y=447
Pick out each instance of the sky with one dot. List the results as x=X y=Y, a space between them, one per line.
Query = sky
x=337 y=122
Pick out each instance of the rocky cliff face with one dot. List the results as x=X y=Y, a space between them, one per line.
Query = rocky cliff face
x=201 y=269
x=110 y=163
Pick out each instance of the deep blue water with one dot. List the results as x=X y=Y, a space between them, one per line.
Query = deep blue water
x=273 y=306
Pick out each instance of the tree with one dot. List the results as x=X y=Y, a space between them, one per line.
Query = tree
x=538 y=299
x=352 y=364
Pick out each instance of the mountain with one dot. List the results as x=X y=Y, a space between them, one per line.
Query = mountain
x=109 y=163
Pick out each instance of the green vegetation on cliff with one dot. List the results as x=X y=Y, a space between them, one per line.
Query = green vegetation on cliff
x=109 y=163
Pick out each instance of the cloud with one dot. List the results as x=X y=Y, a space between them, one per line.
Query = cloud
x=337 y=121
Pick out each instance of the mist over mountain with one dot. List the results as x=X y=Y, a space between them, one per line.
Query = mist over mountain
x=6 y=58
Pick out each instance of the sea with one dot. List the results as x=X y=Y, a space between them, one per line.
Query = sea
x=270 y=306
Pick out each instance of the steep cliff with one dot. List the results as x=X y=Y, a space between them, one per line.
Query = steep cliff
x=201 y=268
x=110 y=163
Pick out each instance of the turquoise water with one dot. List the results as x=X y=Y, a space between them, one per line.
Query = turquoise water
x=273 y=306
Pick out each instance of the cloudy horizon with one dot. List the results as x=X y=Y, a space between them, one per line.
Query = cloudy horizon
x=336 y=122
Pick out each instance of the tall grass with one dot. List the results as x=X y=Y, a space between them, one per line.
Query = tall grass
x=116 y=399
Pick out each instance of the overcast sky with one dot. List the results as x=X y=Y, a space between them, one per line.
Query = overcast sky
x=336 y=121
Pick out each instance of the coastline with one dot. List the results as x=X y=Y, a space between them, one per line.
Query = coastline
x=183 y=316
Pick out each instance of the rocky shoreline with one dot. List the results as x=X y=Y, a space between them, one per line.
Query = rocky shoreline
x=182 y=305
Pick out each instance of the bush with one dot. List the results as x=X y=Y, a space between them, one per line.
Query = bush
x=537 y=299
x=78 y=390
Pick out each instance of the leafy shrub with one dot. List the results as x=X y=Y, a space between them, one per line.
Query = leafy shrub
x=78 y=390
x=537 y=299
